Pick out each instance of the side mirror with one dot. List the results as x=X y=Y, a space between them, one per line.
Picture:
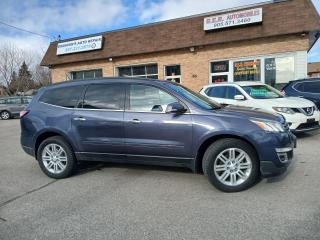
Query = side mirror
x=175 y=107
x=239 y=97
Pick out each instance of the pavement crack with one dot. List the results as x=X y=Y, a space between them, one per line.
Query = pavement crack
x=2 y=219
x=24 y=194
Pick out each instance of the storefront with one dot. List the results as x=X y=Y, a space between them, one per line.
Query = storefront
x=266 y=42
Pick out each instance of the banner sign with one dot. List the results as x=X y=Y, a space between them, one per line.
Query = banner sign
x=248 y=70
x=80 y=45
x=233 y=19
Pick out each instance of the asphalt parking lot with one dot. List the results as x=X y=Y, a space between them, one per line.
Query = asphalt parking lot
x=137 y=202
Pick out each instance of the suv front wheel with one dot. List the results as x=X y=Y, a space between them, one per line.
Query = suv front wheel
x=56 y=157
x=231 y=165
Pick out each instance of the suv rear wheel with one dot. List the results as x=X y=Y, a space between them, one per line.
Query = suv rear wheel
x=56 y=157
x=5 y=115
x=231 y=165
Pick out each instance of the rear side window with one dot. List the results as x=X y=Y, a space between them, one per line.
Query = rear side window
x=105 y=96
x=231 y=92
x=2 y=101
x=312 y=87
x=217 y=92
x=299 y=87
x=14 y=101
x=64 y=97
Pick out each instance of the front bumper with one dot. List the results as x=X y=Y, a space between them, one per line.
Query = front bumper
x=279 y=158
x=299 y=122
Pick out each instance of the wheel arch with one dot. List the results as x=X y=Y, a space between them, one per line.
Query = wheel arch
x=211 y=139
x=47 y=134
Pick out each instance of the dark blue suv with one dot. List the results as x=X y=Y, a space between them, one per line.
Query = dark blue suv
x=307 y=88
x=153 y=122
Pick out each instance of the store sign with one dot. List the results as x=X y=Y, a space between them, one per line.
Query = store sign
x=249 y=70
x=80 y=45
x=233 y=19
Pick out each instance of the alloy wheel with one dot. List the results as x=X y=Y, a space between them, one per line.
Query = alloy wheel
x=54 y=158
x=5 y=115
x=232 y=166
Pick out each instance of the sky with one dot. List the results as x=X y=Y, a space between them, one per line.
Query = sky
x=72 y=18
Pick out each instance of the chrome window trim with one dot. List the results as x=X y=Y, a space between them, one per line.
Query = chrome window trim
x=106 y=110
x=293 y=86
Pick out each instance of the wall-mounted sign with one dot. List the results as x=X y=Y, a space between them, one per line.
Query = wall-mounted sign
x=80 y=45
x=233 y=19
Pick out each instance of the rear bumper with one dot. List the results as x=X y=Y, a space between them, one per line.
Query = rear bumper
x=28 y=150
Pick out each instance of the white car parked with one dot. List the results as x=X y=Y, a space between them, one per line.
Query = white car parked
x=301 y=114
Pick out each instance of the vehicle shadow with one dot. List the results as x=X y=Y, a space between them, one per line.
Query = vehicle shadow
x=306 y=134
x=85 y=167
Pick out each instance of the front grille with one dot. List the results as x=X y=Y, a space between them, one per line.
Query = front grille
x=307 y=125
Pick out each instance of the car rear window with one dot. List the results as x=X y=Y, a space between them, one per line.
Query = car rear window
x=64 y=96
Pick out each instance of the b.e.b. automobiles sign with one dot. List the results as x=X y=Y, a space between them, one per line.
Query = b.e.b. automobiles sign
x=233 y=19
x=80 y=45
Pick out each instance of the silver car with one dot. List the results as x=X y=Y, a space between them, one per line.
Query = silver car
x=11 y=107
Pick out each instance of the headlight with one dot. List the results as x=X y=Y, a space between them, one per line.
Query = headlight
x=283 y=110
x=268 y=126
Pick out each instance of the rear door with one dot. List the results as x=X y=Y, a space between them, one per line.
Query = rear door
x=152 y=135
x=98 y=122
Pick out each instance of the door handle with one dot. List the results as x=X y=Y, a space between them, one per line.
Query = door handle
x=135 y=121
x=79 y=119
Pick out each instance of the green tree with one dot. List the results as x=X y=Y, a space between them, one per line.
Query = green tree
x=25 y=81
x=13 y=86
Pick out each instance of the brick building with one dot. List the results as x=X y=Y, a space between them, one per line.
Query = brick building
x=265 y=42
x=314 y=69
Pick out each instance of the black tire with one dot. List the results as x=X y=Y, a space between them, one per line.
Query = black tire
x=70 y=162
x=218 y=147
x=5 y=115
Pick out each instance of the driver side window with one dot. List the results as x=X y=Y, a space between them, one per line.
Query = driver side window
x=145 y=98
x=231 y=92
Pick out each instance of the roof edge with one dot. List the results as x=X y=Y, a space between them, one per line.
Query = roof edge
x=226 y=10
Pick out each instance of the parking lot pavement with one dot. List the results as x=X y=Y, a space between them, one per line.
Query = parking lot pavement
x=136 y=202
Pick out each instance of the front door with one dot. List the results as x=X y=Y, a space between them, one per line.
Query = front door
x=150 y=133
x=98 y=123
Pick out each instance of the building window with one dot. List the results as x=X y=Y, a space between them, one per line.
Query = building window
x=141 y=71
x=279 y=71
x=248 y=70
x=219 y=71
x=172 y=73
x=87 y=74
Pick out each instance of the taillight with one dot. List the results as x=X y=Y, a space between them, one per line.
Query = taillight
x=23 y=113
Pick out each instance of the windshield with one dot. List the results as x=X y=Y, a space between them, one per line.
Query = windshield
x=196 y=98
x=262 y=92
